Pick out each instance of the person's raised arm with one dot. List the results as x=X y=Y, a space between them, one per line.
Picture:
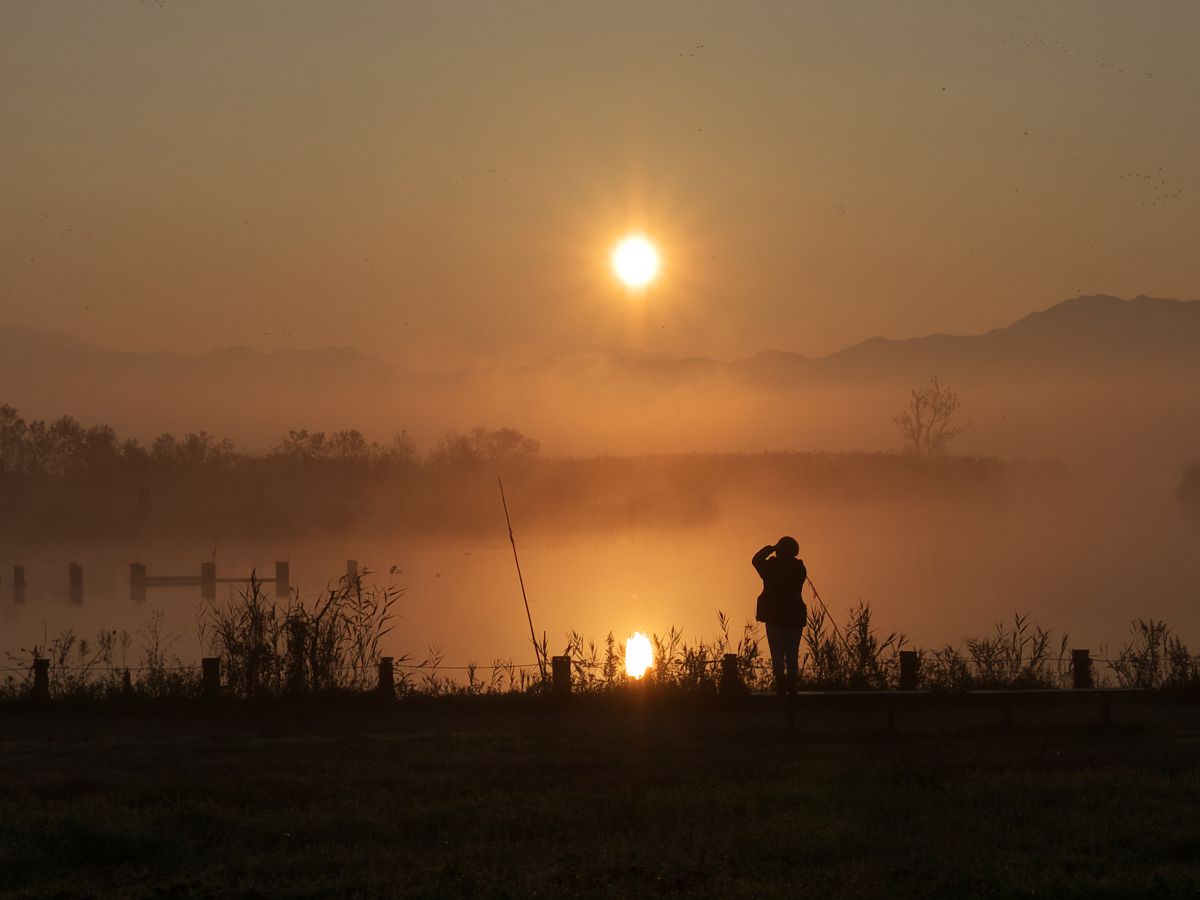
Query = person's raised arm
x=761 y=557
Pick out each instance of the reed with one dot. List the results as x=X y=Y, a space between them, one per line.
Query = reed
x=273 y=648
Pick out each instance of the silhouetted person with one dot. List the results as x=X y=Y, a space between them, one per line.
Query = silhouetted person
x=781 y=608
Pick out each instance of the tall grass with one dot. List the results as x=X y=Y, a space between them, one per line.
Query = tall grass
x=102 y=668
x=1020 y=655
x=1153 y=657
x=272 y=647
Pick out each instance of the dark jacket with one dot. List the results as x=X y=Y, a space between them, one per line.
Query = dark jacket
x=780 y=602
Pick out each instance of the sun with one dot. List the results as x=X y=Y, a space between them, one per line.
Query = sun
x=635 y=261
x=639 y=655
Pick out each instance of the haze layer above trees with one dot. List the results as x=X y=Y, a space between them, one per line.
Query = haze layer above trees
x=1091 y=371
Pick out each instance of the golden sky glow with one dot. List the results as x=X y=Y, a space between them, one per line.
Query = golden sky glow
x=433 y=182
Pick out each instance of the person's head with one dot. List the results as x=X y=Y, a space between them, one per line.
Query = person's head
x=787 y=546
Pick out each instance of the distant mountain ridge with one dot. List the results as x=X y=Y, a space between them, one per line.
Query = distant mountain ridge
x=1083 y=334
x=1095 y=328
x=241 y=391
x=1087 y=330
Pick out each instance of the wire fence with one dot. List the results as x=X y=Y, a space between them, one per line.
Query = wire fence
x=596 y=669
x=806 y=664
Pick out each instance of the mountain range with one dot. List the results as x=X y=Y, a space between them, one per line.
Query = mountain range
x=244 y=392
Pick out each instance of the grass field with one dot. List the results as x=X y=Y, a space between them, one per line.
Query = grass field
x=616 y=798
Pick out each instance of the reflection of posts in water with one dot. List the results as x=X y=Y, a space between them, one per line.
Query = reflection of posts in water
x=137 y=582
x=208 y=581
x=18 y=584
x=283 y=579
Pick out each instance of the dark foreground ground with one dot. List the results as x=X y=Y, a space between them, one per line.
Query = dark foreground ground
x=621 y=798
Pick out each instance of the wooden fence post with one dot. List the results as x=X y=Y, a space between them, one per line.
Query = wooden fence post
x=352 y=571
x=208 y=581
x=41 y=680
x=560 y=673
x=387 y=677
x=731 y=678
x=909 y=664
x=18 y=584
x=210 y=675
x=137 y=582
x=1081 y=669
x=283 y=580
x=75 y=583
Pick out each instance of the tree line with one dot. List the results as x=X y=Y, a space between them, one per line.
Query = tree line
x=61 y=479
x=66 y=449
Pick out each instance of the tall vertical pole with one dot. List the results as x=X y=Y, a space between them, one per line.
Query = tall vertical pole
x=512 y=540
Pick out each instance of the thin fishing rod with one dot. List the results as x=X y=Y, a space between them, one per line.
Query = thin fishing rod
x=828 y=614
x=532 y=636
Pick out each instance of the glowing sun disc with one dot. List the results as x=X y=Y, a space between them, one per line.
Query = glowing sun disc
x=639 y=655
x=635 y=260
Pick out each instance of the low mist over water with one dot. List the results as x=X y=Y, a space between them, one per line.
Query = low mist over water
x=940 y=551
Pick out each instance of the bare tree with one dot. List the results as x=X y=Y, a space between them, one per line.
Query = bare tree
x=927 y=422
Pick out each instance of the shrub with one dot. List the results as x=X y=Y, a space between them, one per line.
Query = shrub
x=268 y=648
x=1155 y=658
x=1016 y=656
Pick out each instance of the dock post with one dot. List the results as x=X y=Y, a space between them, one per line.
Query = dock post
x=283 y=580
x=208 y=581
x=137 y=582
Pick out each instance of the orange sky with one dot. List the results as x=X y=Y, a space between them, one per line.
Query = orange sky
x=438 y=184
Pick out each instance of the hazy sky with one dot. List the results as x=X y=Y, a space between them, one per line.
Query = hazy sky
x=441 y=183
